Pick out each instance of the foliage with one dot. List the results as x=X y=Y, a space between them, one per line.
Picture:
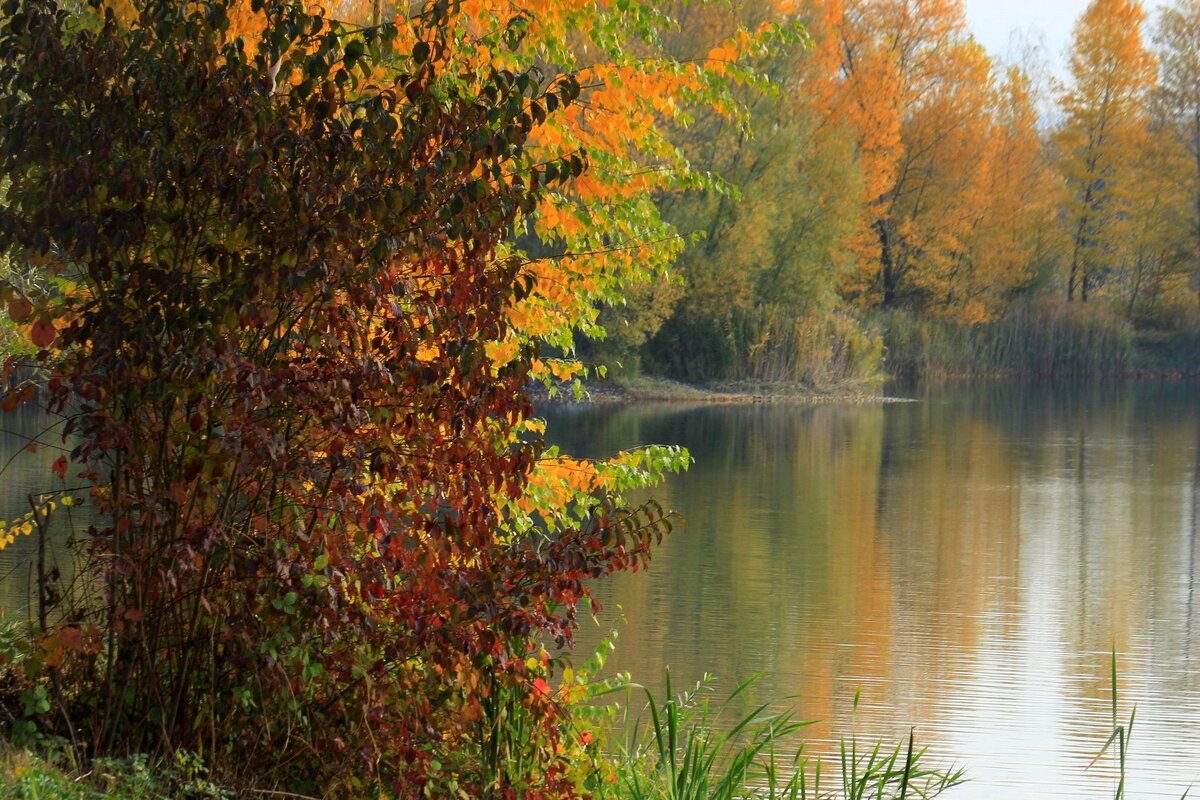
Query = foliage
x=898 y=167
x=1106 y=124
x=821 y=351
x=1171 y=353
x=278 y=286
x=945 y=155
x=26 y=776
x=600 y=242
x=760 y=297
x=1178 y=109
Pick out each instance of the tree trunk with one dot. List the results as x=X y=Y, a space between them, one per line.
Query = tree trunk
x=888 y=277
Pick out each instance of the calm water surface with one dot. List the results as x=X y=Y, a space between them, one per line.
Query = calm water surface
x=967 y=561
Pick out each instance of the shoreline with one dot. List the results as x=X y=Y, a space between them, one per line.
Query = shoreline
x=653 y=389
x=656 y=389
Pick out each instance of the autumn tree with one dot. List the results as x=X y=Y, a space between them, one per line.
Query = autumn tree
x=1106 y=112
x=1153 y=244
x=1178 y=43
x=601 y=241
x=920 y=97
x=281 y=279
x=1014 y=228
x=761 y=274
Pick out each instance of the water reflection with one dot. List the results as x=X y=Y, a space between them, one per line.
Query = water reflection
x=26 y=471
x=968 y=561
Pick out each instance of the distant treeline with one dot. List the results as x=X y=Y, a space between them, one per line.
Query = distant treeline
x=907 y=205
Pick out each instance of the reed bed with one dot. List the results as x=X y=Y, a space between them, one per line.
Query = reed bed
x=1040 y=339
x=687 y=748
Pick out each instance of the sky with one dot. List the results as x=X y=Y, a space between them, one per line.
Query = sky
x=993 y=21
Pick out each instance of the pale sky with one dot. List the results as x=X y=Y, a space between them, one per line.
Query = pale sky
x=993 y=21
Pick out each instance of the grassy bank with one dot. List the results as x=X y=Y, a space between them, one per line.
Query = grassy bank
x=25 y=775
x=689 y=745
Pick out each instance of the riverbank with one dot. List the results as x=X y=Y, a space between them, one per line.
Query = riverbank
x=655 y=389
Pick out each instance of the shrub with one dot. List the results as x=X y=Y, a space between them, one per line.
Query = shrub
x=268 y=330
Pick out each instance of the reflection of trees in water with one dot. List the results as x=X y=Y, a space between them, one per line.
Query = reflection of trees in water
x=770 y=558
x=948 y=505
x=918 y=549
x=1193 y=534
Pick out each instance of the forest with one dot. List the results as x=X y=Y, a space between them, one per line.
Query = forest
x=279 y=276
x=905 y=203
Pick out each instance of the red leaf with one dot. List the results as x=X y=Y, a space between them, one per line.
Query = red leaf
x=43 y=333
x=59 y=467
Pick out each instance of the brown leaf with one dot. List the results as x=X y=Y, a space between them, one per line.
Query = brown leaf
x=19 y=309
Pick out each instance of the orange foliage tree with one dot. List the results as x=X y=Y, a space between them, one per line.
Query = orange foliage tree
x=933 y=131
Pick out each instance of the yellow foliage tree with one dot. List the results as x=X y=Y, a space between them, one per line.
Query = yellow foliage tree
x=1153 y=243
x=760 y=298
x=1106 y=124
x=1178 y=41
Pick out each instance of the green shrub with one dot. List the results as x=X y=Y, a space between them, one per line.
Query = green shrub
x=1168 y=352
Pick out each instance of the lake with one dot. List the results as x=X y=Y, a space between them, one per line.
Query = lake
x=966 y=562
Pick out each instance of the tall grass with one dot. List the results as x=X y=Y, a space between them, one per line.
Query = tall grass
x=689 y=749
x=1119 y=736
x=1046 y=338
x=1118 y=739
